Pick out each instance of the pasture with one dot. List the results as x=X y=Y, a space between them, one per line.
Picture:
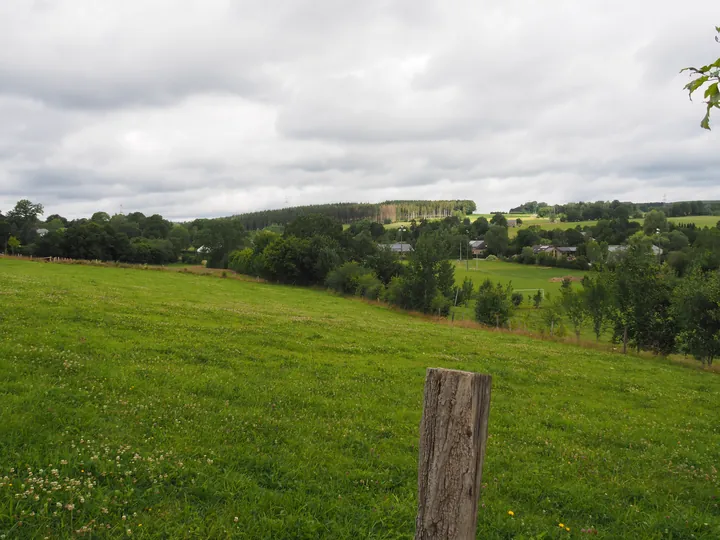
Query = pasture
x=163 y=404
x=522 y=276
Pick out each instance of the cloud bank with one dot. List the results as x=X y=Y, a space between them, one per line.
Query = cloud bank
x=216 y=107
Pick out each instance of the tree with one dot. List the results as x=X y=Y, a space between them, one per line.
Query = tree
x=100 y=217
x=314 y=225
x=573 y=303
x=4 y=232
x=499 y=219
x=641 y=293
x=180 y=237
x=53 y=217
x=221 y=237
x=386 y=264
x=24 y=218
x=596 y=252
x=466 y=292
x=496 y=240
x=426 y=273
x=517 y=298
x=123 y=224
x=13 y=244
x=157 y=227
x=696 y=307
x=597 y=300
x=677 y=241
x=710 y=75
x=655 y=221
x=480 y=226
x=552 y=318
x=537 y=299
x=494 y=305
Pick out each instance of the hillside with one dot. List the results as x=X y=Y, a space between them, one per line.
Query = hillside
x=166 y=404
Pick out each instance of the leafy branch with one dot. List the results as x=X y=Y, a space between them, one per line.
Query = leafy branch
x=706 y=74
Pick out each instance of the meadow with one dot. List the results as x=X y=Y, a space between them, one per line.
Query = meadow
x=164 y=404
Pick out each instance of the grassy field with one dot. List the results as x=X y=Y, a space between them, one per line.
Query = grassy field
x=526 y=278
x=700 y=221
x=172 y=405
x=522 y=276
x=545 y=223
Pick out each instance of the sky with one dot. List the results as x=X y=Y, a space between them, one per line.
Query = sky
x=207 y=108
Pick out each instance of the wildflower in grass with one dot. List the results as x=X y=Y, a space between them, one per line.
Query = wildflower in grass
x=567 y=529
x=70 y=507
x=511 y=513
x=236 y=519
x=561 y=525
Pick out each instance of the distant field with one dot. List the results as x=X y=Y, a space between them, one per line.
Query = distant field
x=522 y=276
x=700 y=221
x=526 y=278
x=173 y=405
x=545 y=223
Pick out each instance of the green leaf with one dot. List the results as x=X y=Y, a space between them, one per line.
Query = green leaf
x=695 y=84
x=711 y=91
x=705 y=124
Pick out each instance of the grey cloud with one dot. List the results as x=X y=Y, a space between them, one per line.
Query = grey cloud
x=222 y=107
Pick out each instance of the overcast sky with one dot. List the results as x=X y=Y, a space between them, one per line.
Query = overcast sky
x=217 y=107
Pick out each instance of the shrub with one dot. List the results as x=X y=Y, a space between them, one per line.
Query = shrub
x=491 y=258
x=440 y=304
x=397 y=292
x=346 y=278
x=494 y=306
x=517 y=298
x=241 y=261
x=369 y=286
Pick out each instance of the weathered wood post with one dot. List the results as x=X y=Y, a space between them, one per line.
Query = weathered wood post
x=453 y=436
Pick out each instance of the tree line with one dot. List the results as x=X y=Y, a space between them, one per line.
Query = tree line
x=385 y=212
x=131 y=238
x=593 y=211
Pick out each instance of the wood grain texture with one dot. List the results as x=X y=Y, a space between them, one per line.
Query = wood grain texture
x=453 y=435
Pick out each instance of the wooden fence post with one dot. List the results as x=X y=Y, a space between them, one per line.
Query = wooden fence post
x=453 y=436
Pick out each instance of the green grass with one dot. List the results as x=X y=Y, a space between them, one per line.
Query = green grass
x=183 y=401
x=700 y=221
x=522 y=276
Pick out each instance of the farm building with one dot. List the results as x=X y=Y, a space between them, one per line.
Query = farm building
x=619 y=249
x=398 y=247
x=555 y=251
x=478 y=247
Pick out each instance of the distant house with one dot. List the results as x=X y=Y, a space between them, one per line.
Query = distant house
x=203 y=249
x=566 y=251
x=478 y=247
x=620 y=249
x=42 y=232
x=512 y=223
x=556 y=252
x=544 y=249
x=398 y=247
